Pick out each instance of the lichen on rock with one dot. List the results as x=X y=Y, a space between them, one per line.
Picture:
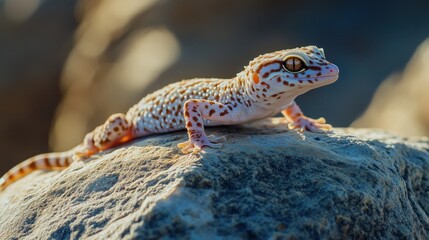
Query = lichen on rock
x=266 y=182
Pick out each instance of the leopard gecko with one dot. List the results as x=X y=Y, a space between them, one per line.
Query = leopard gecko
x=267 y=86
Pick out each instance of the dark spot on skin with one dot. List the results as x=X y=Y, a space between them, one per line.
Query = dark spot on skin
x=212 y=111
x=195 y=119
x=292 y=85
x=279 y=79
x=220 y=106
x=32 y=165
x=199 y=124
x=311 y=62
x=265 y=74
x=206 y=106
x=308 y=75
x=264 y=90
x=47 y=163
x=189 y=124
x=319 y=74
x=230 y=108
x=223 y=113
x=295 y=75
x=300 y=81
x=286 y=83
x=315 y=68
x=310 y=81
x=316 y=80
x=11 y=177
x=187 y=114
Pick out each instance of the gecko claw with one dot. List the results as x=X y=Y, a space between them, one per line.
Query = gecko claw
x=313 y=125
x=195 y=146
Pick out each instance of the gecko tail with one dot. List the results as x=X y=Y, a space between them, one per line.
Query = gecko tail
x=47 y=161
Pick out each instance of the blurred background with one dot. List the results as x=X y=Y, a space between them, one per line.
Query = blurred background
x=65 y=66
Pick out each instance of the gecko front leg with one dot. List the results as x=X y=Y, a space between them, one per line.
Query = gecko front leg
x=195 y=111
x=298 y=121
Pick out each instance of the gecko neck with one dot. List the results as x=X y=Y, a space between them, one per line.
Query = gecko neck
x=245 y=85
x=259 y=99
x=234 y=90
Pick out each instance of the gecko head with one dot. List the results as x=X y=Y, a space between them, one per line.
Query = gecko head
x=292 y=71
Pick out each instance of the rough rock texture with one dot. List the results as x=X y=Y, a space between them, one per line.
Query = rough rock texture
x=266 y=182
x=401 y=102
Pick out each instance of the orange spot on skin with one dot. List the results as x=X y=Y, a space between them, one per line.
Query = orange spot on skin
x=255 y=78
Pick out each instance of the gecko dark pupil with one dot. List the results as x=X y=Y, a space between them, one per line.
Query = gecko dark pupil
x=293 y=64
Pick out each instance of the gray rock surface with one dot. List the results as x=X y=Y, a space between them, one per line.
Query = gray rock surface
x=266 y=182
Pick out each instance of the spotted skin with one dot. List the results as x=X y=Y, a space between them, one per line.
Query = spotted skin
x=267 y=86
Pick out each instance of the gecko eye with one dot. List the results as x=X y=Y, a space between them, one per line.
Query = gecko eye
x=294 y=64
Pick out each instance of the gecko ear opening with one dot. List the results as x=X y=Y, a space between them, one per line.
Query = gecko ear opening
x=255 y=78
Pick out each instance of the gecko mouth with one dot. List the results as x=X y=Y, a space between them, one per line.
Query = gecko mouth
x=319 y=78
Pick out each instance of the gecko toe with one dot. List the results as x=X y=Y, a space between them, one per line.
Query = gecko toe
x=214 y=139
x=214 y=145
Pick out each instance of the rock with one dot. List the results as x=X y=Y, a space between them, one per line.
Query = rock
x=401 y=102
x=266 y=182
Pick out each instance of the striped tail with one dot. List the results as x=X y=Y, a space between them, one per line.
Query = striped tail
x=47 y=161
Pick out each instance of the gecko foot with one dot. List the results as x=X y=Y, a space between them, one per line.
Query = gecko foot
x=195 y=145
x=309 y=124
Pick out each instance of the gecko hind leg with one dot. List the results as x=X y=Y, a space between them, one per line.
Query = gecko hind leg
x=114 y=131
